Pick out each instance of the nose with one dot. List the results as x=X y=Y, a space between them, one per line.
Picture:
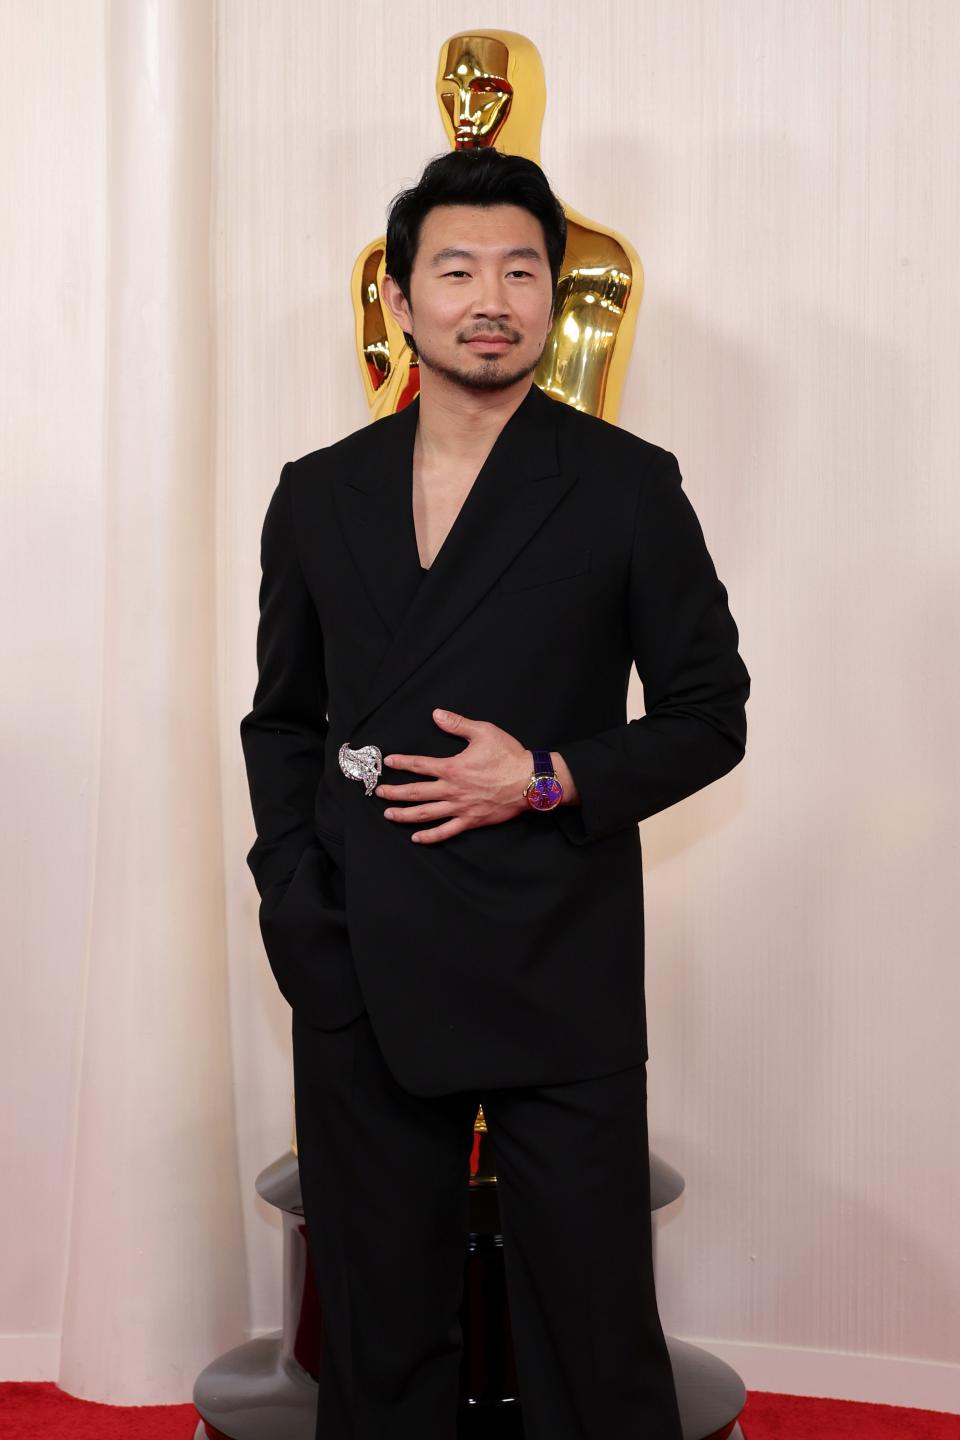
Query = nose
x=491 y=302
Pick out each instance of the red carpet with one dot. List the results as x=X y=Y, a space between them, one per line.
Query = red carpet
x=38 y=1410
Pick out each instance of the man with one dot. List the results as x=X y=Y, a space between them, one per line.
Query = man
x=451 y=899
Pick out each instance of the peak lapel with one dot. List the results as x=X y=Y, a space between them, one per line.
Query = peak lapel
x=374 y=505
x=519 y=484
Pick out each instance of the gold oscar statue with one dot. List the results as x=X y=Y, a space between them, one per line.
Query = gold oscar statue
x=491 y=91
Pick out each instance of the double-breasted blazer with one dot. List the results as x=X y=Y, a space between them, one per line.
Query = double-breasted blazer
x=513 y=953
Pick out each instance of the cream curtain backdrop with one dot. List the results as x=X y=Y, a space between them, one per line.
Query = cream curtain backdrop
x=186 y=186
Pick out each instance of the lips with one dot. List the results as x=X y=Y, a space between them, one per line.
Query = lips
x=500 y=341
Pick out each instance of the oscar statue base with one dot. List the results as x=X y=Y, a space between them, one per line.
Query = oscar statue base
x=266 y=1389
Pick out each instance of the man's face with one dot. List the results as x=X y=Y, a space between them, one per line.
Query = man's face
x=478 y=271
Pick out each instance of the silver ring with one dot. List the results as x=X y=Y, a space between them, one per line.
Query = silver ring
x=364 y=764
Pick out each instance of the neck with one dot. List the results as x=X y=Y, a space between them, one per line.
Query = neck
x=456 y=422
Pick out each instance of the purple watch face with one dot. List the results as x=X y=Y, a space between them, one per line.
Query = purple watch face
x=545 y=793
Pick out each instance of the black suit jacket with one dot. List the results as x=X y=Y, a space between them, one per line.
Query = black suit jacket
x=512 y=954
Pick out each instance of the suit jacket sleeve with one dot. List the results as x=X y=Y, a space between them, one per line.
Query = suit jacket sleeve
x=283 y=735
x=695 y=685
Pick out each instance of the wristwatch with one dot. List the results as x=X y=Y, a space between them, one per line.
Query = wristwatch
x=543 y=790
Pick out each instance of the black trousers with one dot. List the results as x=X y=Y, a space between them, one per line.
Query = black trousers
x=384 y=1183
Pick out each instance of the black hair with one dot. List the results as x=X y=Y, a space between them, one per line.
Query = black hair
x=476 y=176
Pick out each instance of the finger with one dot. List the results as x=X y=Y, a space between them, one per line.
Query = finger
x=439 y=832
x=415 y=814
x=418 y=764
x=413 y=790
x=461 y=724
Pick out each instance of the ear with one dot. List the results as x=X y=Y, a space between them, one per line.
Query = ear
x=396 y=302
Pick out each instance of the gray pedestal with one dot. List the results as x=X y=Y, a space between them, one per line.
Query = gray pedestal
x=267 y=1388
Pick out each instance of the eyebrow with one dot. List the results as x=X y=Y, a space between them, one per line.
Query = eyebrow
x=519 y=252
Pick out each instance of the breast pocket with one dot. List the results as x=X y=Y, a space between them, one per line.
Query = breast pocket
x=529 y=572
